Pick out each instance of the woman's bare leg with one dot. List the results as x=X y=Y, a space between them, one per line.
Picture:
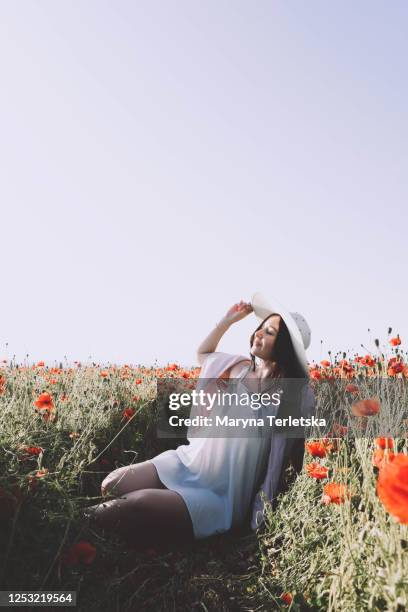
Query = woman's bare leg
x=131 y=478
x=149 y=518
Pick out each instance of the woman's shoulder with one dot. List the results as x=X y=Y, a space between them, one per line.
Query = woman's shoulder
x=238 y=368
x=216 y=363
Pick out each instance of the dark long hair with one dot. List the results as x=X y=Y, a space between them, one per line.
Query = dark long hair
x=288 y=368
x=288 y=364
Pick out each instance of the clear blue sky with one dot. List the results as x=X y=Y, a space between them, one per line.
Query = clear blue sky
x=163 y=160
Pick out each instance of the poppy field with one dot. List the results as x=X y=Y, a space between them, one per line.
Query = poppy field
x=336 y=538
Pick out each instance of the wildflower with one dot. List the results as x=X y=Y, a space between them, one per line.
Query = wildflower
x=395 y=341
x=345 y=366
x=334 y=493
x=351 y=389
x=48 y=416
x=286 y=598
x=104 y=374
x=316 y=449
x=41 y=473
x=315 y=470
x=33 y=479
x=368 y=361
x=138 y=381
x=396 y=368
x=325 y=363
x=31 y=450
x=128 y=413
x=44 y=401
x=340 y=430
x=81 y=552
x=367 y=407
x=40 y=364
x=330 y=444
x=392 y=487
x=384 y=442
x=380 y=457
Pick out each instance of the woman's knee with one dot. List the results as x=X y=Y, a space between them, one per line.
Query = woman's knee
x=137 y=476
x=111 y=480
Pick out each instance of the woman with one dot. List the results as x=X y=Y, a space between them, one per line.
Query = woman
x=207 y=486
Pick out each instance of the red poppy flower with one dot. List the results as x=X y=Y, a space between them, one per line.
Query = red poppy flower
x=286 y=598
x=48 y=416
x=392 y=487
x=367 y=407
x=104 y=374
x=396 y=368
x=41 y=473
x=380 y=457
x=31 y=450
x=351 y=389
x=33 y=479
x=330 y=444
x=316 y=449
x=395 y=341
x=81 y=552
x=339 y=430
x=384 y=442
x=325 y=363
x=334 y=493
x=128 y=413
x=138 y=381
x=315 y=470
x=367 y=361
x=44 y=401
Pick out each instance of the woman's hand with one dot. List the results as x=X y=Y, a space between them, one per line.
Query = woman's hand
x=237 y=312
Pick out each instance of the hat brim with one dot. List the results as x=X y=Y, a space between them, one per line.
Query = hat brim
x=263 y=308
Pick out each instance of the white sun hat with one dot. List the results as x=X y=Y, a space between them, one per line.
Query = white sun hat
x=297 y=325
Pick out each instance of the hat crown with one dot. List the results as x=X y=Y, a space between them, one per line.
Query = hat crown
x=303 y=328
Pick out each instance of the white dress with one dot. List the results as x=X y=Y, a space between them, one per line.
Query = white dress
x=217 y=477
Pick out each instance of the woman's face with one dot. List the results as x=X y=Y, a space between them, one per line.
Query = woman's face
x=265 y=338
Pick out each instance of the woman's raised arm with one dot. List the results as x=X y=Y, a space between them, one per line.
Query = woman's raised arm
x=235 y=313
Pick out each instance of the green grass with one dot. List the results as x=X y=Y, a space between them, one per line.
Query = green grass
x=344 y=557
